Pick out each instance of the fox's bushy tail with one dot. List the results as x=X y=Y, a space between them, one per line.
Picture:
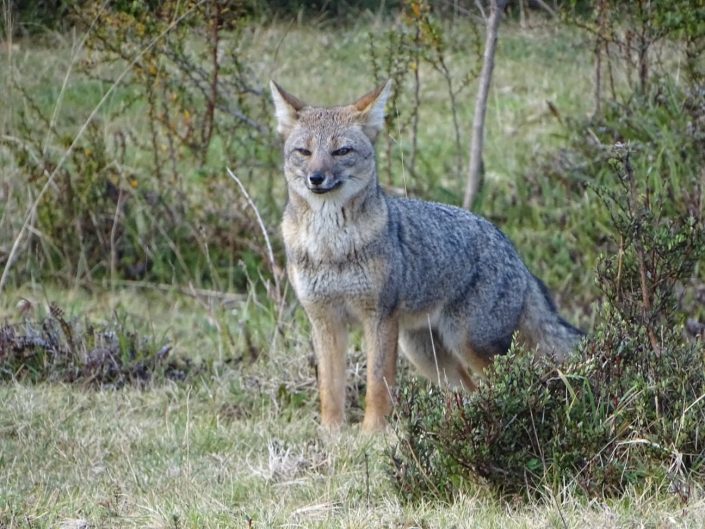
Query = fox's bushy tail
x=542 y=328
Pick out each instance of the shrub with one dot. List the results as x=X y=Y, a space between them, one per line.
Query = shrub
x=561 y=208
x=622 y=415
x=141 y=191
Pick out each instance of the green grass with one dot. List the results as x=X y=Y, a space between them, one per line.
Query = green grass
x=239 y=446
x=178 y=456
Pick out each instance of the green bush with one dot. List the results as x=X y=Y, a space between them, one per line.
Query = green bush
x=142 y=193
x=622 y=415
x=561 y=206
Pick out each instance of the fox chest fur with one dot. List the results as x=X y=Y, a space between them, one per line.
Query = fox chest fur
x=335 y=255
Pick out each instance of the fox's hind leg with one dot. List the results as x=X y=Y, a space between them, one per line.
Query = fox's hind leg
x=426 y=351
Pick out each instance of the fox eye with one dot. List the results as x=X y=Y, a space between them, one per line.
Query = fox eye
x=303 y=152
x=342 y=151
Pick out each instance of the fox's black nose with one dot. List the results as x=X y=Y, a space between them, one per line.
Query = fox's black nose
x=316 y=179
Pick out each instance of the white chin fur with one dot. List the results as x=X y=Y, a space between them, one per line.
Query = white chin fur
x=334 y=199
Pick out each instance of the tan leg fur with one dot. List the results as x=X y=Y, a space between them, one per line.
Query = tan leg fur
x=330 y=344
x=381 y=340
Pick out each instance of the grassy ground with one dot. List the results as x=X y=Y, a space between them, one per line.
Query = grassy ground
x=235 y=447
x=238 y=444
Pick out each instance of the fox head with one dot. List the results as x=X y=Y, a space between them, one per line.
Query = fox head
x=329 y=152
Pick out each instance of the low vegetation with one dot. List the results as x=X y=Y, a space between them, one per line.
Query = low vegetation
x=100 y=356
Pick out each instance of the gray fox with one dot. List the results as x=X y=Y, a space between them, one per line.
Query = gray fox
x=444 y=284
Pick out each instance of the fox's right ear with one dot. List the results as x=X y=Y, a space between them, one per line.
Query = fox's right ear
x=286 y=108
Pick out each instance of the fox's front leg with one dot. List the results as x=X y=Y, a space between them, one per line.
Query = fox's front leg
x=329 y=343
x=381 y=337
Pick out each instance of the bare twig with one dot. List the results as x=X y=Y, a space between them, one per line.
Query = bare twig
x=646 y=296
x=226 y=298
x=417 y=99
x=543 y=5
x=478 y=4
x=60 y=97
x=270 y=253
x=440 y=65
x=203 y=81
x=208 y=122
x=113 y=234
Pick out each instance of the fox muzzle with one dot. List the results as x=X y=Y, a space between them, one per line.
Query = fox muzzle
x=319 y=183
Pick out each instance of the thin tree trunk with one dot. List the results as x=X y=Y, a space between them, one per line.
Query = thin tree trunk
x=417 y=102
x=598 y=76
x=475 y=172
x=599 y=47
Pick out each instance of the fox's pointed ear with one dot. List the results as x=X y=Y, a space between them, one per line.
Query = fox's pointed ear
x=286 y=108
x=371 y=108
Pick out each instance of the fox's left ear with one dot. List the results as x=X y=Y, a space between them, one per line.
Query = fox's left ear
x=371 y=108
x=286 y=108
